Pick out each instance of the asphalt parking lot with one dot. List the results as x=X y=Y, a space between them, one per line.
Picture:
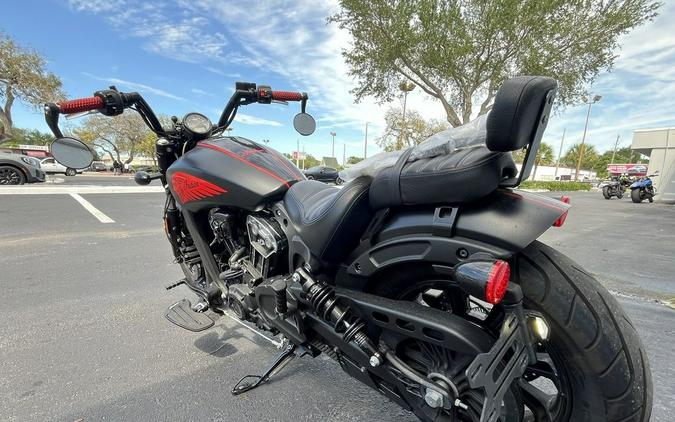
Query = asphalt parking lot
x=84 y=336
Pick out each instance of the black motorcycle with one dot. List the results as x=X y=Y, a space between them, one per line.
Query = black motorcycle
x=613 y=188
x=425 y=282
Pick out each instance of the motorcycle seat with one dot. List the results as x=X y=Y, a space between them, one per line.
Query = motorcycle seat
x=463 y=176
x=329 y=220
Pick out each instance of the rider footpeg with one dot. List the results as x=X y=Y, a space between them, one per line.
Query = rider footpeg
x=176 y=284
x=182 y=314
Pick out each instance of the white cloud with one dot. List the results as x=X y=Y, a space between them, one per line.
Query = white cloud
x=247 y=119
x=201 y=92
x=135 y=86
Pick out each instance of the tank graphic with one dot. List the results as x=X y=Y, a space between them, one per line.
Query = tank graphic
x=230 y=171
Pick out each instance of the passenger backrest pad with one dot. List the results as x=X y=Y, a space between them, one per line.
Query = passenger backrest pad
x=514 y=118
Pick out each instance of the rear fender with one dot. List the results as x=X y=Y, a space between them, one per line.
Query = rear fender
x=501 y=224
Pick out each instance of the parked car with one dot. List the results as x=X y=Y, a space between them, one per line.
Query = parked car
x=323 y=174
x=50 y=166
x=98 y=166
x=17 y=169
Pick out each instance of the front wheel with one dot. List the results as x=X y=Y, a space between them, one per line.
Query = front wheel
x=635 y=196
x=71 y=172
x=11 y=176
x=593 y=367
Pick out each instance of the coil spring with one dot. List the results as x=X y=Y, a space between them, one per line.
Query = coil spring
x=322 y=298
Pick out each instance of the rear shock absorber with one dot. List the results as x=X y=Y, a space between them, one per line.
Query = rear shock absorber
x=322 y=298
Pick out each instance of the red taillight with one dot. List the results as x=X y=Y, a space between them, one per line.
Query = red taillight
x=498 y=281
x=486 y=280
x=561 y=220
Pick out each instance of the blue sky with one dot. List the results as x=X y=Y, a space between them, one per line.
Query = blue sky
x=186 y=55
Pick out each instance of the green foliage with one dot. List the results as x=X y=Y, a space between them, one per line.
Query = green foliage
x=354 y=160
x=28 y=137
x=544 y=155
x=623 y=155
x=23 y=76
x=309 y=161
x=588 y=161
x=125 y=134
x=399 y=134
x=557 y=186
x=458 y=52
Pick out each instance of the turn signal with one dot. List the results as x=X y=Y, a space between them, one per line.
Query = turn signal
x=486 y=280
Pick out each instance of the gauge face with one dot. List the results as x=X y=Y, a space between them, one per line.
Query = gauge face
x=197 y=123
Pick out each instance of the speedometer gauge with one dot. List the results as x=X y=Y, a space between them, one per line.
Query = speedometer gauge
x=197 y=125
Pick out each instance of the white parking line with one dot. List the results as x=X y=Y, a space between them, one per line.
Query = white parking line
x=92 y=209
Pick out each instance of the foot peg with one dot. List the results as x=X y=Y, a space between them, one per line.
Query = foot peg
x=176 y=284
x=182 y=314
x=249 y=382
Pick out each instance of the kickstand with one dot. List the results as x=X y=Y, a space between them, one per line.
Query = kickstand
x=258 y=380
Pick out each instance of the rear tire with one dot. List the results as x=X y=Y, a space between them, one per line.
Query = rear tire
x=607 y=363
x=71 y=172
x=635 y=196
x=605 y=192
x=310 y=177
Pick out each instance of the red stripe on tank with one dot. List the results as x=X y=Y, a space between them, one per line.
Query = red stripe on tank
x=243 y=160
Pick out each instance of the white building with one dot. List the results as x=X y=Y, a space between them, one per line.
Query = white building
x=658 y=145
x=547 y=173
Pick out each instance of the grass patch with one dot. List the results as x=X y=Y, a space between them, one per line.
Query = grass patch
x=555 y=185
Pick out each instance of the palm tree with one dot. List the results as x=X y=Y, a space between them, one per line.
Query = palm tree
x=572 y=155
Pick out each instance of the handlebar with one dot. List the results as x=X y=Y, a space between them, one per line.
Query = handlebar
x=80 y=105
x=287 y=96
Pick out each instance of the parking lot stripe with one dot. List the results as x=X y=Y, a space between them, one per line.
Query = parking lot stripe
x=92 y=209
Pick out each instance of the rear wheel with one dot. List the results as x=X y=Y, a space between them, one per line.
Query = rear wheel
x=11 y=176
x=594 y=366
x=71 y=172
x=310 y=177
x=635 y=196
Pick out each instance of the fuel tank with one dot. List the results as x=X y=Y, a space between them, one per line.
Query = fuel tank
x=230 y=171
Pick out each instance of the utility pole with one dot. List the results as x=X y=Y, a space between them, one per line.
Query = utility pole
x=406 y=87
x=596 y=98
x=297 y=152
x=616 y=143
x=344 y=152
x=333 y=135
x=303 y=156
x=365 y=144
x=557 y=163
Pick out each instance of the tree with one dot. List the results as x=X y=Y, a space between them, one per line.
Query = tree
x=125 y=134
x=623 y=155
x=398 y=135
x=460 y=52
x=544 y=157
x=28 y=137
x=23 y=76
x=572 y=155
x=354 y=160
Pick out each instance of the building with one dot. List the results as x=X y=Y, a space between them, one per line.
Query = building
x=547 y=173
x=657 y=144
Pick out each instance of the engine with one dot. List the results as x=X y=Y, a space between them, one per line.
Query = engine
x=249 y=256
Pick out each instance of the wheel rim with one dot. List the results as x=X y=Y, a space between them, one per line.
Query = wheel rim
x=536 y=389
x=9 y=176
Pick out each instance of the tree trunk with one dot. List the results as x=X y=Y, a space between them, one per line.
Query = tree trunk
x=6 y=116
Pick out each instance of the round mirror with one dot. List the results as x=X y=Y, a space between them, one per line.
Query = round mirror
x=72 y=153
x=304 y=124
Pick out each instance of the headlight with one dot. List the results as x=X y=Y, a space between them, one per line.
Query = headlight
x=197 y=123
x=31 y=161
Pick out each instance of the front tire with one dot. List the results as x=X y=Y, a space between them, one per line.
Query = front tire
x=71 y=172
x=605 y=192
x=11 y=176
x=607 y=363
x=635 y=196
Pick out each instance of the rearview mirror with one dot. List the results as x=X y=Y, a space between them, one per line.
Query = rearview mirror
x=72 y=153
x=304 y=124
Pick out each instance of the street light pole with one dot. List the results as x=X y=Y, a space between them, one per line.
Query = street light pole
x=344 y=152
x=406 y=87
x=333 y=152
x=365 y=144
x=596 y=98
x=557 y=163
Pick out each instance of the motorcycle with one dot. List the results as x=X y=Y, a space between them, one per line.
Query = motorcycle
x=613 y=188
x=642 y=189
x=426 y=282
